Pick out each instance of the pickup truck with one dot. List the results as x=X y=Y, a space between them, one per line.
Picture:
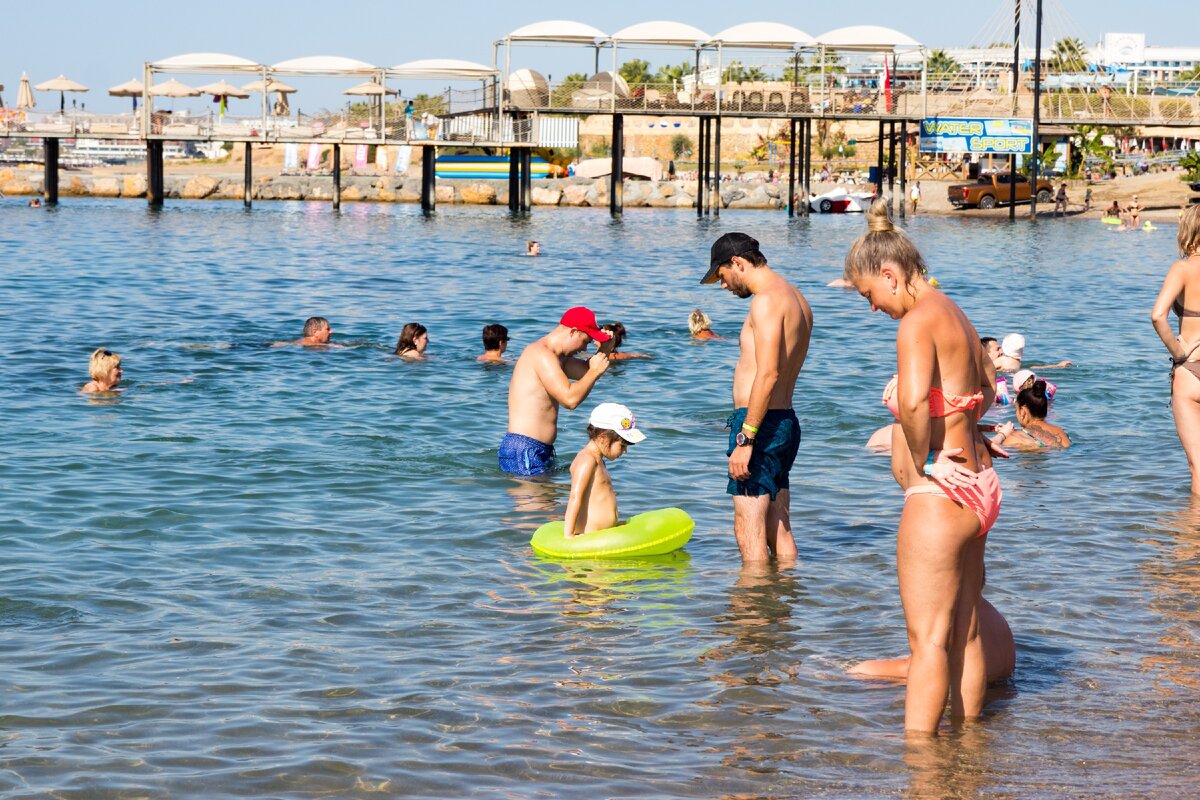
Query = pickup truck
x=991 y=190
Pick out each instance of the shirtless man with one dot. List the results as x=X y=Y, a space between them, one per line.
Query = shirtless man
x=317 y=331
x=541 y=382
x=765 y=434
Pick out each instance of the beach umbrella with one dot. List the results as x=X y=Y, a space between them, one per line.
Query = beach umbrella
x=132 y=89
x=272 y=86
x=223 y=89
x=371 y=89
x=25 y=94
x=173 y=88
x=62 y=84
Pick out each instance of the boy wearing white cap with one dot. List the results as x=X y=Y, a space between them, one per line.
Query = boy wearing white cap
x=592 y=506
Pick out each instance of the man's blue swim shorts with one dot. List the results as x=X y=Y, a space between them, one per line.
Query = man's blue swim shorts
x=775 y=448
x=522 y=455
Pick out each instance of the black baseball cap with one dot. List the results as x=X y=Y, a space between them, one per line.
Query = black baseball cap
x=723 y=251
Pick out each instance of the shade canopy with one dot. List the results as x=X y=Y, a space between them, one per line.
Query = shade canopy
x=449 y=68
x=763 y=35
x=867 y=38
x=324 y=65
x=222 y=89
x=206 y=62
x=370 y=88
x=557 y=30
x=528 y=88
x=272 y=85
x=60 y=84
x=661 y=32
x=133 y=88
x=173 y=88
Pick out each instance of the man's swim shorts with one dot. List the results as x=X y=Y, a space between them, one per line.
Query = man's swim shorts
x=521 y=455
x=775 y=448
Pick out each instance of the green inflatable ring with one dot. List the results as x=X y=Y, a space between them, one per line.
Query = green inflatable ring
x=1111 y=220
x=653 y=533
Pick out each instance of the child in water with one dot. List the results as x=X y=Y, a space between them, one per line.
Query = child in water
x=592 y=506
x=105 y=368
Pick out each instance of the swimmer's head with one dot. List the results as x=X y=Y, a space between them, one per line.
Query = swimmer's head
x=1188 y=237
x=728 y=259
x=495 y=337
x=103 y=364
x=317 y=328
x=1013 y=346
x=698 y=322
x=883 y=244
x=533 y=248
x=414 y=338
x=615 y=331
x=1034 y=400
x=991 y=347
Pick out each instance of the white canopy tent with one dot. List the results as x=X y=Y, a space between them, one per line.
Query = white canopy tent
x=660 y=33
x=551 y=32
x=760 y=36
x=197 y=64
x=870 y=39
x=325 y=66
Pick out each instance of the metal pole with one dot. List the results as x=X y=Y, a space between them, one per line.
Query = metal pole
x=50 y=171
x=716 y=198
x=891 y=173
x=903 y=165
x=1016 y=82
x=249 y=176
x=700 y=168
x=616 y=186
x=1036 y=166
x=514 y=179
x=337 y=176
x=791 y=203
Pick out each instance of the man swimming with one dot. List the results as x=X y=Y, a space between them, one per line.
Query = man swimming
x=765 y=433
x=317 y=331
x=541 y=382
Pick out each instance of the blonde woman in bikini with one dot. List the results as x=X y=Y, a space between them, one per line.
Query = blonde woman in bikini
x=951 y=493
x=1181 y=293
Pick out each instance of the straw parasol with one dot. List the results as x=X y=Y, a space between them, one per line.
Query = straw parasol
x=173 y=89
x=133 y=88
x=272 y=86
x=62 y=84
x=372 y=89
x=223 y=89
x=25 y=94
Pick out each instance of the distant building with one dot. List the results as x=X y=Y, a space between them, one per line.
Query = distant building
x=1129 y=51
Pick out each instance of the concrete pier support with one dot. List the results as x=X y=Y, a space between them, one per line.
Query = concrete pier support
x=514 y=180
x=526 y=180
x=791 y=197
x=337 y=176
x=806 y=172
x=616 y=190
x=248 y=178
x=903 y=166
x=50 y=171
x=428 y=180
x=154 y=172
x=700 y=155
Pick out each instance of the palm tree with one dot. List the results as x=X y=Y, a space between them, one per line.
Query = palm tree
x=736 y=73
x=673 y=74
x=1190 y=75
x=940 y=63
x=1068 y=55
x=635 y=72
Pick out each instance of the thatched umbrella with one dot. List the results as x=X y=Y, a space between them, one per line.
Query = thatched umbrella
x=372 y=89
x=62 y=84
x=134 y=89
x=221 y=92
x=173 y=89
x=25 y=94
x=281 y=89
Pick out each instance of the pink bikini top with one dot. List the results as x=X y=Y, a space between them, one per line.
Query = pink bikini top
x=941 y=404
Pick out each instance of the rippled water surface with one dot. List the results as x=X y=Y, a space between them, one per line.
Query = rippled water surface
x=300 y=574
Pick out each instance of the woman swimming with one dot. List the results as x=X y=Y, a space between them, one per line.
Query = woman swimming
x=414 y=338
x=1033 y=403
x=943 y=385
x=1181 y=292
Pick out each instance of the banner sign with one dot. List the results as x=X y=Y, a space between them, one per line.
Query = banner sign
x=969 y=135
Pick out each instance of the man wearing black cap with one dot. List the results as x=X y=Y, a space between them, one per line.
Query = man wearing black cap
x=764 y=431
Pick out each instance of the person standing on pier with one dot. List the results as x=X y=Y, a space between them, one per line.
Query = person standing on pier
x=765 y=433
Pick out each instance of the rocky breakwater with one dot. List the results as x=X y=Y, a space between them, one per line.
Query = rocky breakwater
x=395 y=189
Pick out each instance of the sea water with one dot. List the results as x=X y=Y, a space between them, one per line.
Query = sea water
x=291 y=572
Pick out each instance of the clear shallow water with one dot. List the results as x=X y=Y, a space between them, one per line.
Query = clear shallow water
x=301 y=574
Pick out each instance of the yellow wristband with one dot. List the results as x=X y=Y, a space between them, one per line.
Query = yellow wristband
x=749 y=427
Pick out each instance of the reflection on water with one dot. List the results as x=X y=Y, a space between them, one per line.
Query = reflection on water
x=302 y=574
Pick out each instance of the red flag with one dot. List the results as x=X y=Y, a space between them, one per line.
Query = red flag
x=887 y=86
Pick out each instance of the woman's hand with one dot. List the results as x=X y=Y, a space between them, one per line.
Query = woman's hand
x=948 y=472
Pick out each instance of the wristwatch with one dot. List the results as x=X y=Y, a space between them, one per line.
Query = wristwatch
x=742 y=440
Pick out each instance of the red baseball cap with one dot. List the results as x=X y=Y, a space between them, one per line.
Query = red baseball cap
x=581 y=318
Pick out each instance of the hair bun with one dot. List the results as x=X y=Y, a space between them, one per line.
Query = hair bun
x=878 y=220
x=1039 y=387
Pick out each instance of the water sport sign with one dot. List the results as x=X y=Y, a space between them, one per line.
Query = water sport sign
x=969 y=135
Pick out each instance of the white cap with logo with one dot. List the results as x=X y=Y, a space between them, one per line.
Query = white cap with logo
x=617 y=418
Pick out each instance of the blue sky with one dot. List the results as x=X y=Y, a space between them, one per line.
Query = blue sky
x=102 y=44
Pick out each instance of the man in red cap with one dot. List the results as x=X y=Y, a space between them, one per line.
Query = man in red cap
x=541 y=382
x=765 y=433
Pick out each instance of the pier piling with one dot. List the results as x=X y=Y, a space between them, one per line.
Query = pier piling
x=428 y=180
x=526 y=180
x=248 y=177
x=337 y=176
x=154 y=172
x=50 y=171
x=616 y=186
x=879 y=164
x=891 y=172
x=806 y=164
x=791 y=197
x=716 y=195
x=903 y=165
x=514 y=180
